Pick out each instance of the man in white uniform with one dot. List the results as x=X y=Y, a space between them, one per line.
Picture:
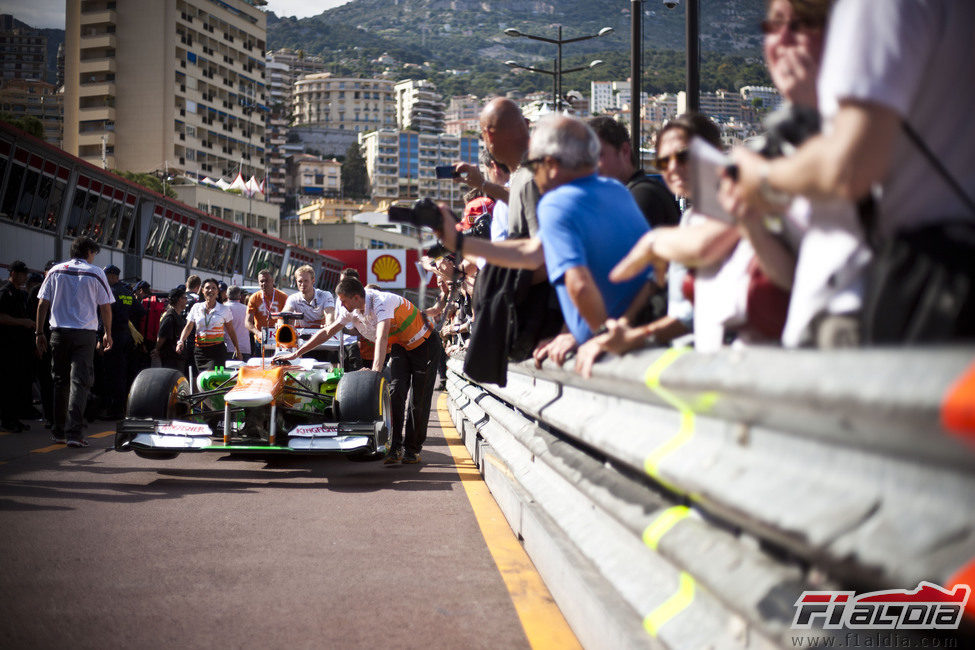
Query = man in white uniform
x=74 y=292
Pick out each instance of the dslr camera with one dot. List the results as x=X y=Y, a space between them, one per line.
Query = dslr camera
x=424 y=213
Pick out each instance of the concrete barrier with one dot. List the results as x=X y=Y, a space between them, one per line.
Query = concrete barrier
x=686 y=501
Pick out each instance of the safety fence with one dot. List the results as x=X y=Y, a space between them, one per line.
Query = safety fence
x=680 y=500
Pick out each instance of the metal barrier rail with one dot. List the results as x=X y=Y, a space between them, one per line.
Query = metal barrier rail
x=687 y=500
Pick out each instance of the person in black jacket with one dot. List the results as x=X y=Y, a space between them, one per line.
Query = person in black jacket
x=657 y=204
x=170 y=326
x=16 y=328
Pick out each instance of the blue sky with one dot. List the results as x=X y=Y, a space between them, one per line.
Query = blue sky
x=50 y=13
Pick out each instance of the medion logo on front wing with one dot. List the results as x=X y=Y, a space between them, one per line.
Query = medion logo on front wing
x=929 y=607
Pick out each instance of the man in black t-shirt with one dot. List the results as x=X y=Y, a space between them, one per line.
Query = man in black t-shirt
x=616 y=161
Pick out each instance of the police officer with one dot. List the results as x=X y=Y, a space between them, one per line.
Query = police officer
x=115 y=361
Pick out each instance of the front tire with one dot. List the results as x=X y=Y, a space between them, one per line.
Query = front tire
x=363 y=396
x=158 y=394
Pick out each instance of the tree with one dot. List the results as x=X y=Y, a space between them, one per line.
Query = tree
x=151 y=181
x=27 y=123
x=355 y=178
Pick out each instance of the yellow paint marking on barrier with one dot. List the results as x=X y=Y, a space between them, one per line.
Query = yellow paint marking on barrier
x=662 y=525
x=540 y=617
x=651 y=464
x=671 y=607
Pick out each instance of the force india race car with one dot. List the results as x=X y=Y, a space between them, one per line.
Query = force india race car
x=260 y=407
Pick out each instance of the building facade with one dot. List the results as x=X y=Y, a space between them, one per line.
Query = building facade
x=177 y=83
x=310 y=176
x=23 y=51
x=419 y=107
x=34 y=98
x=283 y=68
x=401 y=164
x=343 y=103
x=253 y=213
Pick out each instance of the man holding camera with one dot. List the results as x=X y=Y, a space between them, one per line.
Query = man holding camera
x=398 y=328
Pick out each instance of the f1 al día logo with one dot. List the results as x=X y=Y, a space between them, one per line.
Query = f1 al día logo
x=929 y=607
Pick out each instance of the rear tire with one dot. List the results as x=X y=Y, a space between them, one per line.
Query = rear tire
x=159 y=394
x=363 y=396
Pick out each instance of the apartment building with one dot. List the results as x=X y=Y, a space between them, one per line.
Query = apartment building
x=401 y=164
x=309 y=175
x=23 y=51
x=177 y=83
x=343 y=103
x=283 y=68
x=34 y=98
x=419 y=107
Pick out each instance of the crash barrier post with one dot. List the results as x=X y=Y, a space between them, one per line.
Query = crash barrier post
x=681 y=500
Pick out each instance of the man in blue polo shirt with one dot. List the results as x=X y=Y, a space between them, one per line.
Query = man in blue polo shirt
x=587 y=224
x=74 y=292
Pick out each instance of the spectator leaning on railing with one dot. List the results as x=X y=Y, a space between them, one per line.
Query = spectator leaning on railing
x=896 y=94
x=586 y=225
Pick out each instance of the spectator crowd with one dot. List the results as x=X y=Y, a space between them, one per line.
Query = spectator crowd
x=849 y=222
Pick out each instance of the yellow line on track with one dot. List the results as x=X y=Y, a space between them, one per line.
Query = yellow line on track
x=540 y=617
x=49 y=448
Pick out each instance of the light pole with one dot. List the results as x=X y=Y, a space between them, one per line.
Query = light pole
x=556 y=73
x=558 y=41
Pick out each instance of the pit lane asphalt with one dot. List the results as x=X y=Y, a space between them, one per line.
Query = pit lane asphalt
x=102 y=549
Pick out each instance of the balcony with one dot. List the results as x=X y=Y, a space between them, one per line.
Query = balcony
x=96 y=113
x=99 y=41
x=96 y=89
x=90 y=66
x=92 y=139
x=99 y=17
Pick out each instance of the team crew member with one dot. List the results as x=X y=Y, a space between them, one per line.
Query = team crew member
x=315 y=305
x=388 y=319
x=262 y=304
x=212 y=321
x=75 y=292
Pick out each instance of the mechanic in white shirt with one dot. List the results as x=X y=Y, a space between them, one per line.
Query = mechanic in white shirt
x=239 y=311
x=315 y=305
x=75 y=292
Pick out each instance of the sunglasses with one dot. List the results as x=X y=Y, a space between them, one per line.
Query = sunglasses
x=793 y=26
x=533 y=163
x=681 y=157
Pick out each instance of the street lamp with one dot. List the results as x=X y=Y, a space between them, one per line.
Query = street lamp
x=556 y=72
x=558 y=41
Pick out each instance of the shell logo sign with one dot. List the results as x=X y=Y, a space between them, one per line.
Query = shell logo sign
x=386 y=268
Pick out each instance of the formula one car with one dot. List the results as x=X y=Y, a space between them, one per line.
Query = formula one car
x=261 y=407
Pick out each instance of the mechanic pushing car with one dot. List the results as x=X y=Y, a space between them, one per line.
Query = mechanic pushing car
x=395 y=324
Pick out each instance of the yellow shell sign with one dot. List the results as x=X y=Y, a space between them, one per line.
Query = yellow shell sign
x=386 y=268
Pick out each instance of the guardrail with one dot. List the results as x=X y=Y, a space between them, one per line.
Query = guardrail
x=682 y=500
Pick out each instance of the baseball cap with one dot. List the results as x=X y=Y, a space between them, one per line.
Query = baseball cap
x=176 y=293
x=111 y=268
x=18 y=266
x=141 y=284
x=222 y=286
x=474 y=209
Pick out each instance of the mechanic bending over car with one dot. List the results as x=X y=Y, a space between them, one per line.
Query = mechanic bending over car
x=393 y=323
x=211 y=320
